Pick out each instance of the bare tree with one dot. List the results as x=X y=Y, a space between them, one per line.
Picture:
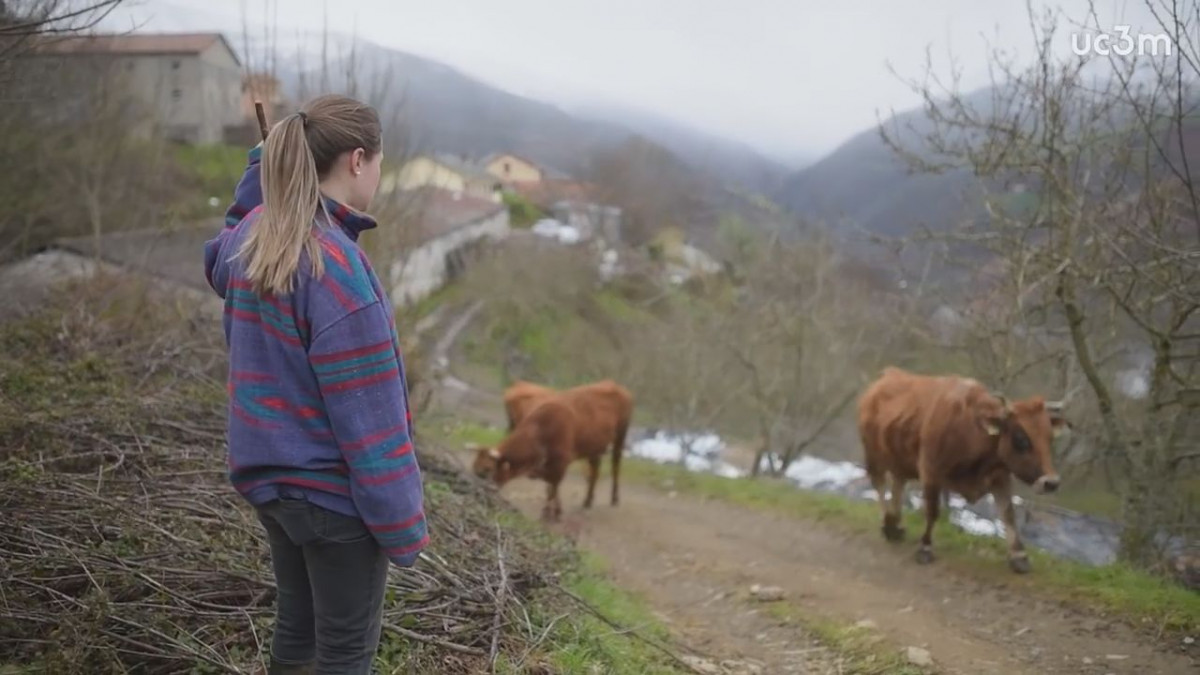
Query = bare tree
x=1104 y=256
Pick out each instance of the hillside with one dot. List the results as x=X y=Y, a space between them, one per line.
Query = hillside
x=736 y=161
x=862 y=188
x=126 y=549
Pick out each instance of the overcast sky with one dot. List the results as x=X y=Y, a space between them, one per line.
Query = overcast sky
x=788 y=77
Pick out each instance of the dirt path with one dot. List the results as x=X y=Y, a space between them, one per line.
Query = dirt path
x=695 y=560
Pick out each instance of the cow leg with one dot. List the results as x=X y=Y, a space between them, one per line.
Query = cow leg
x=1018 y=559
x=893 y=529
x=593 y=474
x=617 y=449
x=933 y=503
x=552 y=510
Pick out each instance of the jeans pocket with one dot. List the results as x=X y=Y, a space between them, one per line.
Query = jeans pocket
x=338 y=528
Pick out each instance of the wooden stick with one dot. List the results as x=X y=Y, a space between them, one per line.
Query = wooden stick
x=262 y=118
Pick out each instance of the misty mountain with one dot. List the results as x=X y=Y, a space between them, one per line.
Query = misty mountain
x=863 y=188
x=736 y=161
x=446 y=110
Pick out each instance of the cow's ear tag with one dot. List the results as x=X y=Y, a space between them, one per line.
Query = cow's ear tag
x=991 y=427
x=493 y=453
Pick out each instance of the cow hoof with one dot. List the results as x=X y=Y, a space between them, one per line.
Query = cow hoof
x=893 y=533
x=1020 y=565
x=924 y=556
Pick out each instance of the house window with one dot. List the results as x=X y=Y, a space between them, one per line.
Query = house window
x=175 y=64
x=507 y=168
x=176 y=94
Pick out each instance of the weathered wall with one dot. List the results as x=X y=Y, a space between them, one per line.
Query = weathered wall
x=426 y=269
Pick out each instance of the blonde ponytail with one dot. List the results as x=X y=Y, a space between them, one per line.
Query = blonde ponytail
x=298 y=153
x=291 y=197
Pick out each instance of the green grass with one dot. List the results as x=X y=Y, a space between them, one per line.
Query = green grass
x=585 y=639
x=1140 y=598
x=444 y=296
x=861 y=651
x=215 y=171
x=457 y=434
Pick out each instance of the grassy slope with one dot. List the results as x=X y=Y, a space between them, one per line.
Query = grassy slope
x=75 y=365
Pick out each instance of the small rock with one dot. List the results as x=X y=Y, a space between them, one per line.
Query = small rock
x=741 y=667
x=1087 y=661
x=1116 y=657
x=867 y=624
x=906 y=610
x=701 y=665
x=766 y=593
x=1023 y=631
x=672 y=494
x=919 y=657
x=1035 y=653
x=1189 y=640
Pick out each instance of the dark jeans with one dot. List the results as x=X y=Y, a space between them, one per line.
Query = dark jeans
x=331 y=575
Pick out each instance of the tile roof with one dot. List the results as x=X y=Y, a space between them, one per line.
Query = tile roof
x=440 y=212
x=135 y=44
x=168 y=254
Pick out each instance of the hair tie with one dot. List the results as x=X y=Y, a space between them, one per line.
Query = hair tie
x=303 y=118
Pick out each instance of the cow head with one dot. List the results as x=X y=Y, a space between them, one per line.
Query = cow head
x=1025 y=432
x=490 y=465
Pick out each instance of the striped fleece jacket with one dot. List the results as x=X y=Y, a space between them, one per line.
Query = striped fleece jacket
x=318 y=398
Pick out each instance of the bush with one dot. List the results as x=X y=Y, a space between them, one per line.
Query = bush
x=522 y=213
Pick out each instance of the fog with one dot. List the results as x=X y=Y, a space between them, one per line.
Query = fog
x=791 y=78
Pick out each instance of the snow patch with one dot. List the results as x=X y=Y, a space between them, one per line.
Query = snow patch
x=553 y=229
x=698 y=452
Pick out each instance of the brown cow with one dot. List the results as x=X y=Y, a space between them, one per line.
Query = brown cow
x=578 y=423
x=520 y=398
x=950 y=433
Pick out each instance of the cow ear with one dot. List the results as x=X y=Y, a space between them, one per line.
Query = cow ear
x=992 y=423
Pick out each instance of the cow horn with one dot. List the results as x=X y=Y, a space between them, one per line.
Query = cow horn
x=493 y=453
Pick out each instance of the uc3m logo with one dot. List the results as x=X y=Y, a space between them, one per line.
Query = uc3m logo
x=1122 y=44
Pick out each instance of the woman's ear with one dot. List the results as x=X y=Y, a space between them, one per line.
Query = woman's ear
x=357 y=158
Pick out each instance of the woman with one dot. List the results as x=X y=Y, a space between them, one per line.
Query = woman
x=319 y=423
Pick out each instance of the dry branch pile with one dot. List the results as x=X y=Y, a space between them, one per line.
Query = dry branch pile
x=124 y=549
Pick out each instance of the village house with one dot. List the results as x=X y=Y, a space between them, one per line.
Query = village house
x=445 y=172
x=512 y=169
x=189 y=85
